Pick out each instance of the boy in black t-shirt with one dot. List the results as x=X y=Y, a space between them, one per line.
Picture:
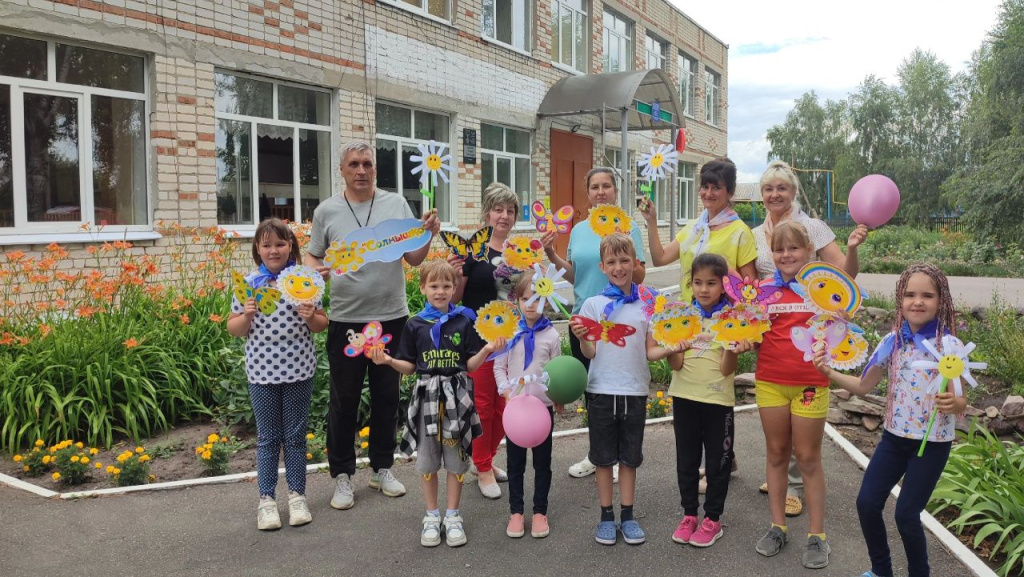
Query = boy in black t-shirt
x=440 y=344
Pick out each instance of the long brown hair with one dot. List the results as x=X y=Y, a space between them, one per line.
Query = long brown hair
x=945 y=315
x=278 y=228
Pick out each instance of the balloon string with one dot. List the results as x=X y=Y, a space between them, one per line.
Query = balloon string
x=931 y=420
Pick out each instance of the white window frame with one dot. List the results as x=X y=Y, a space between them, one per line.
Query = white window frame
x=687 y=84
x=611 y=35
x=524 y=215
x=579 y=61
x=412 y=141
x=658 y=54
x=254 y=162
x=686 y=188
x=712 y=96
x=422 y=9
x=24 y=231
x=520 y=26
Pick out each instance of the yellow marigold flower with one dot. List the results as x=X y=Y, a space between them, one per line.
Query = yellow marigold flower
x=17 y=459
x=213 y=438
x=309 y=456
x=659 y=394
x=143 y=458
x=199 y=450
x=648 y=406
x=121 y=458
x=46 y=459
x=110 y=469
x=140 y=450
x=79 y=445
x=661 y=403
x=99 y=465
x=74 y=458
x=84 y=460
x=93 y=451
x=25 y=468
x=56 y=476
x=39 y=443
x=310 y=436
x=152 y=478
x=579 y=409
x=208 y=446
x=364 y=445
x=117 y=471
x=207 y=455
x=365 y=432
x=223 y=439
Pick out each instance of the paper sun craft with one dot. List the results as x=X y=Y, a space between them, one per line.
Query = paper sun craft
x=344 y=257
x=474 y=247
x=605 y=331
x=497 y=319
x=521 y=252
x=363 y=343
x=952 y=364
x=432 y=162
x=385 y=241
x=559 y=221
x=266 y=296
x=301 y=284
x=607 y=218
x=545 y=288
x=739 y=322
x=829 y=290
x=675 y=324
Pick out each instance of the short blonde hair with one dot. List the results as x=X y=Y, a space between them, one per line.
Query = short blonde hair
x=437 y=269
x=498 y=194
x=779 y=170
x=617 y=243
x=791 y=231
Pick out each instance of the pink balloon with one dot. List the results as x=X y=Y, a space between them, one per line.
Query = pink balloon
x=526 y=421
x=874 y=200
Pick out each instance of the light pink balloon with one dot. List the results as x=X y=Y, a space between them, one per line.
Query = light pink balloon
x=874 y=200
x=526 y=421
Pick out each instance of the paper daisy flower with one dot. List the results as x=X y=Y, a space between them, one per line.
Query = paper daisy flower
x=432 y=161
x=952 y=363
x=656 y=164
x=545 y=287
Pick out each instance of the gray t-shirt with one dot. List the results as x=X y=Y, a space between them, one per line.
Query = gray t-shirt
x=375 y=292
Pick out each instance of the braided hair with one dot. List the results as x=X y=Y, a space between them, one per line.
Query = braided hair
x=944 y=315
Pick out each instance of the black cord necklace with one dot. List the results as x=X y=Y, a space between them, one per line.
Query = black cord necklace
x=352 y=210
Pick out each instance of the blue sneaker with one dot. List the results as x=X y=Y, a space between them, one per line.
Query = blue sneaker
x=606 y=533
x=632 y=533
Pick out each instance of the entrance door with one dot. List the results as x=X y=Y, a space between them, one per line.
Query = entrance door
x=572 y=157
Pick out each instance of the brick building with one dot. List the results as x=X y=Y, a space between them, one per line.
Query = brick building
x=125 y=113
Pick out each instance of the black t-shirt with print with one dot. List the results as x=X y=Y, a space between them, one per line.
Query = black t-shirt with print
x=481 y=286
x=459 y=342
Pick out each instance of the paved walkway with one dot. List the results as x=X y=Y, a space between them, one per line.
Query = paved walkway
x=212 y=530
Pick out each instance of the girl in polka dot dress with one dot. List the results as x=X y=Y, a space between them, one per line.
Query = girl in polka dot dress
x=280 y=361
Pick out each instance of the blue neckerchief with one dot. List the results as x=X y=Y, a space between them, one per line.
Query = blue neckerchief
x=432 y=314
x=721 y=304
x=793 y=285
x=263 y=276
x=528 y=335
x=905 y=336
x=619 y=298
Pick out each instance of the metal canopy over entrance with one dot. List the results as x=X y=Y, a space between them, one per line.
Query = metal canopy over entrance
x=625 y=101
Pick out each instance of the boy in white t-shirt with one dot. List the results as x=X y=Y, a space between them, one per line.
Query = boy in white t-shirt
x=612 y=329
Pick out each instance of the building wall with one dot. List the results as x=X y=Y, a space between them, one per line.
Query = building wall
x=362 y=50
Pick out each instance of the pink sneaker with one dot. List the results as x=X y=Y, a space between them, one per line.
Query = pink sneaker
x=685 y=530
x=708 y=533
x=516 y=526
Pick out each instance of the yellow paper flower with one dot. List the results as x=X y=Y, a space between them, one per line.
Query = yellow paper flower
x=56 y=476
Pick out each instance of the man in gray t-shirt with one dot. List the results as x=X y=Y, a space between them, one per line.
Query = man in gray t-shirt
x=375 y=292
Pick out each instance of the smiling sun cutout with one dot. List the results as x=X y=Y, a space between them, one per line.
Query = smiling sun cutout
x=829 y=289
x=607 y=218
x=674 y=324
x=497 y=319
x=300 y=284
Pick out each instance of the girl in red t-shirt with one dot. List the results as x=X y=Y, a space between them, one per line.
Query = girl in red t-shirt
x=792 y=397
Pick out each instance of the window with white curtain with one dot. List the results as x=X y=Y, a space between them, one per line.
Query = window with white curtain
x=618 y=43
x=273 y=144
x=508 y=22
x=399 y=130
x=505 y=158
x=73 y=137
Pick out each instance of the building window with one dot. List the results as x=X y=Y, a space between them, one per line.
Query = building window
x=505 y=156
x=569 y=33
x=435 y=8
x=273 y=149
x=73 y=137
x=508 y=22
x=399 y=130
x=618 y=43
x=686 y=185
x=712 y=96
x=655 y=53
x=687 y=84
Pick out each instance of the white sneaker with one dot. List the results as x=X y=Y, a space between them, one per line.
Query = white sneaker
x=385 y=482
x=267 y=517
x=343 y=497
x=582 y=469
x=298 y=509
x=454 y=533
x=431 y=535
x=615 y=473
x=499 y=474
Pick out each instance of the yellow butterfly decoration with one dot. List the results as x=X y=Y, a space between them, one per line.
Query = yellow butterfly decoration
x=266 y=296
x=475 y=247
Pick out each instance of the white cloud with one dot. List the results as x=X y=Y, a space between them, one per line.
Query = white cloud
x=780 y=50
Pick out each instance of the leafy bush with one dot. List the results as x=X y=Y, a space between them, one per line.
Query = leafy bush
x=132 y=468
x=983 y=486
x=72 y=462
x=659 y=406
x=1000 y=340
x=214 y=455
x=891 y=249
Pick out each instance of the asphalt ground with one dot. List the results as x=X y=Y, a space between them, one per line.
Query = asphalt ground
x=211 y=530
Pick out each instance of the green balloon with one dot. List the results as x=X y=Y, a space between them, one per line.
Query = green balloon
x=567 y=379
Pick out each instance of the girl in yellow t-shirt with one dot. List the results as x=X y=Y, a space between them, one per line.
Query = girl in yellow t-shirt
x=702 y=408
x=718 y=229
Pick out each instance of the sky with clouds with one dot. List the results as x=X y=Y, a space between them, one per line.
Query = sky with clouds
x=780 y=50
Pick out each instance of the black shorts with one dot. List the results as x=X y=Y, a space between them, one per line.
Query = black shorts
x=616 y=429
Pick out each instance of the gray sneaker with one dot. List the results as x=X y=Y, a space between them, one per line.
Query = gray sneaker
x=343 y=497
x=772 y=542
x=385 y=482
x=816 y=553
x=298 y=510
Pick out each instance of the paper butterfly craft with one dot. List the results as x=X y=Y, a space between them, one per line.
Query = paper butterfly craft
x=804 y=338
x=363 y=343
x=497 y=319
x=675 y=324
x=521 y=253
x=751 y=292
x=607 y=218
x=829 y=289
x=545 y=288
x=266 y=296
x=560 y=221
x=301 y=284
x=653 y=302
x=344 y=257
x=656 y=164
x=740 y=322
x=605 y=331
x=475 y=247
